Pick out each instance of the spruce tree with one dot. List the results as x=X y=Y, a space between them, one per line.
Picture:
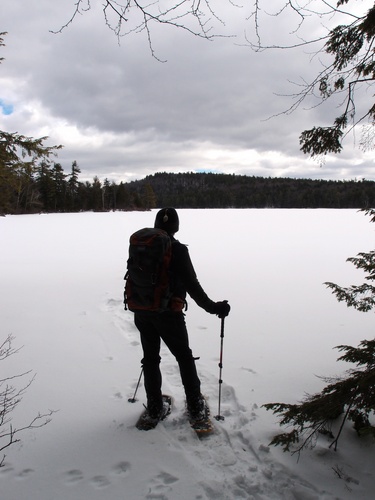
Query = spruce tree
x=348 y=398
x=73 y=187
x=19 y=157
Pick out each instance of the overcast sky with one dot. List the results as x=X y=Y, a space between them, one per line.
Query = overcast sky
x=122 y=114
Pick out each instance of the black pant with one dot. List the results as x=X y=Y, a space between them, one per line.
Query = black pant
x=171 y=328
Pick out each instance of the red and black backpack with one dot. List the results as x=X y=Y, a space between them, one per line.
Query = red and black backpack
x=147 y=286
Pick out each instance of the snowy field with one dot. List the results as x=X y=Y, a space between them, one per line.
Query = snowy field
x=61 y=298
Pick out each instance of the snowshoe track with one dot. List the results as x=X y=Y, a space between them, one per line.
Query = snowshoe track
x=228 y=464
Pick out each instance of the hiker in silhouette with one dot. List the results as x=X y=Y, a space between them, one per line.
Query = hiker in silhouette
x=170 y=326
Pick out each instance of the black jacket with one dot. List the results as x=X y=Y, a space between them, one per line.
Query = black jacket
x=185 y=279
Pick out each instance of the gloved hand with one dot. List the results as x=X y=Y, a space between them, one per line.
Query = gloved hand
x=222 y=308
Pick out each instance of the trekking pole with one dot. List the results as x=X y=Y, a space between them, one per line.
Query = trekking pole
x=218 y=416
x=133 y=400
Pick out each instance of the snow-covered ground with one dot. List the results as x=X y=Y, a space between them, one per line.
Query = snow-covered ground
x=61 y=298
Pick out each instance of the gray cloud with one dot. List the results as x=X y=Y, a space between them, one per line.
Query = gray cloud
x=122 y=114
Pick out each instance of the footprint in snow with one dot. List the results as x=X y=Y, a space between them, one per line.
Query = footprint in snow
x=6 y=469
x=113 y=304
x=117 y=395
x=167 y=478
x=24 y=474
x=161 y=485
x=121 y=469
x=250 y=370
x=100 y=482
x=73 y=476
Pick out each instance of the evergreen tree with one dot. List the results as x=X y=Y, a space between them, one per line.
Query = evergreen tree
x=113 y=196
x=46 y=186
x=97 y=201
x=60 y=187
x=73 y=187
x=350 y=397
x=123 y=197
x=149 y=197
x=19 y=156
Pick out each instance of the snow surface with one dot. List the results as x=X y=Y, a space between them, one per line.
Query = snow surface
x=61 y=298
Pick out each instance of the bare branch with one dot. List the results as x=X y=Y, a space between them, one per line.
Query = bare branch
x=10 y=398
x=125 y=17
x=77 y=11
x=352 y=47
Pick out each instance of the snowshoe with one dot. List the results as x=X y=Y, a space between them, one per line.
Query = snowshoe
x=199 y=416
x=149 y=421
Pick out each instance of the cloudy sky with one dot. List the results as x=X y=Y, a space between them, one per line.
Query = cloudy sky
x=197 y=106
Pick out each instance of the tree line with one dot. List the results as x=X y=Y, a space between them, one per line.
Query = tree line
x=26 y=188
x=211 y=190
x=47 y=188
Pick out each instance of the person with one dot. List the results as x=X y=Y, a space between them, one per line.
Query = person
x=170 y=327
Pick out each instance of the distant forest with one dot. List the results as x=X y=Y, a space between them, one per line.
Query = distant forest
x=49 y=189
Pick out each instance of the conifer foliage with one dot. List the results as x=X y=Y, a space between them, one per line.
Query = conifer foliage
x=347 y=398
x=347 y=71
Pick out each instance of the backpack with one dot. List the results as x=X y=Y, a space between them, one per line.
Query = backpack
x=147 y=286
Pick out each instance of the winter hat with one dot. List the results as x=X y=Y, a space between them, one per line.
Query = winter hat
x=167 y=219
